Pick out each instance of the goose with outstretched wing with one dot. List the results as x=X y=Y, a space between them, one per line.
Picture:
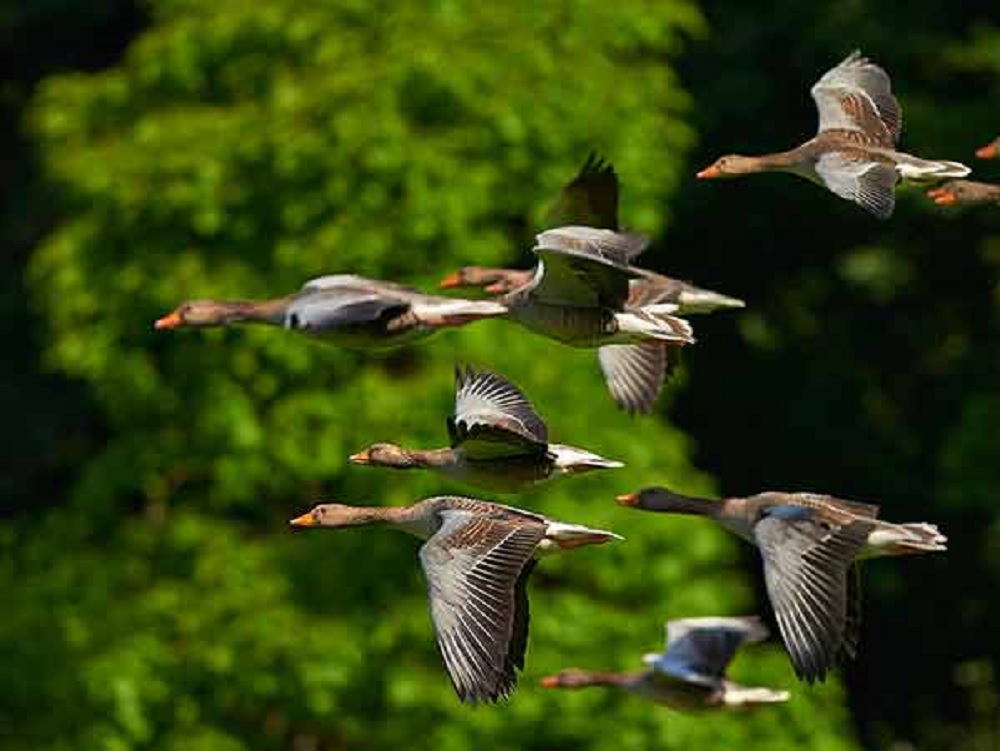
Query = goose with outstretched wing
x=498 y=441
x=854 y=153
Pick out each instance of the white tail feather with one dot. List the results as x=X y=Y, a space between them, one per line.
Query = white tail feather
x=929 y=170
x=651 y=324
x=900 y=539
x=573 y=459
x=738 y=696
x=564 y=536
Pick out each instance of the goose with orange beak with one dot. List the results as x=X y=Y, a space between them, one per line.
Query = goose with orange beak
x=809 y=543
x=344 y=309
x=477 y=557
x=854 y=151
x=690 y=675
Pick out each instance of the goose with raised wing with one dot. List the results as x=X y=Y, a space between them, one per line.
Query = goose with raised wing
x=578 y=296
x=498 y=441
x=965 y=192
x=809 y=543
x=477 y=558
x=691 y=674
x=344 y=309
x=854 y=151
x=651 y=288
x=584 y=298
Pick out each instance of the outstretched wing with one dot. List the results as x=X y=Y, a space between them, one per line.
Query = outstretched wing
x=852 y=175
x=357 y=283
x=331 y=309
x=589 y=199
x=805 y=569
x=700 y=649
x=493 y=417
x=474 y=567
x=634 y=373
x=857 y=95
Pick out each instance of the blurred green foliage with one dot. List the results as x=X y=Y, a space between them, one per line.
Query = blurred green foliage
x=154 y=597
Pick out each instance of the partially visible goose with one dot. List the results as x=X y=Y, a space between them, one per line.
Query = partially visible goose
x=809 y=543
x=586 y=222
x=634 y=373
x=344 y=309
x=854 y=153
x=477 y=558
x=691 y=673
x=496 y=281
x=965 y=191
x=648 y=289
x=990 y=150
x=498 y=441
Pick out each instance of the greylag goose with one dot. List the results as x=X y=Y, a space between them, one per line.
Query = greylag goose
x=990 y=150
x=649 y=289
x=477 y=558
x=344 y=309
x=578 y=296
x=854 y=153
x=634 y=373
x=808 y=543
x=498 y=441
x=493 y=280
x=586 y=218
x=965 y=191
x=691 y=674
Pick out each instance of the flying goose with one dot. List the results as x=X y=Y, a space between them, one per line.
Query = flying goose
x=854 y=152
x=477 y=558
x=691 y=674
x=808 y=543
x=344 y=309
x=498 y=441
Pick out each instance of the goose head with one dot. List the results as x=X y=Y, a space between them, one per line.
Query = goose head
x=383 y=455
x=196 y=313
x=731 y=165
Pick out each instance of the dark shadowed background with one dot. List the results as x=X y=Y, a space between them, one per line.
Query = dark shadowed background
x=153 y=596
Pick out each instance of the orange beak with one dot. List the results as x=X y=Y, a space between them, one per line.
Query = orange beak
x=452 y=280
x=549 y=681
x=709 y=173
x=306 y=520
x=942 y=196
x=627 y=499
x=169 y=321
x=360 y=458
x=988 y=152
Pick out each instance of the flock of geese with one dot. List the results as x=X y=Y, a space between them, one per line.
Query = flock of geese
x=585 y=291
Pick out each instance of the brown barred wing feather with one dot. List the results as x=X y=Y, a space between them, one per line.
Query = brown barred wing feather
x=474 y=564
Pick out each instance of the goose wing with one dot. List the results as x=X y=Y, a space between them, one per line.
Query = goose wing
x=854 y=176
x=585 y=267
x=590 y=198
x=806 y=562
x=475 y=567
x=331 y=308
x=493 y=417
x=699 y=650
x=358 y=283
x=857 y=95
x=634 y=373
